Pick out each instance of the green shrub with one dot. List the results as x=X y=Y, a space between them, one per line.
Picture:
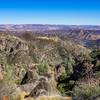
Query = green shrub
x=43 y=68
x=64 y=84
x=86 y=91
x=61 y=88
x=95 y=54
x=9 y=77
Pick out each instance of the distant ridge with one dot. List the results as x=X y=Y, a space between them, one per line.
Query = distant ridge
x=45 y=27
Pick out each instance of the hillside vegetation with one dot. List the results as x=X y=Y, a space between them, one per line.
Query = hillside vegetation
x=35 y=66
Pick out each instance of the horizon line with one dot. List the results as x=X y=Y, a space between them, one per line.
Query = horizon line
x=52 y=24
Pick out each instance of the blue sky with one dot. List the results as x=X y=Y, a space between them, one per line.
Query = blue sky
x=69 y=12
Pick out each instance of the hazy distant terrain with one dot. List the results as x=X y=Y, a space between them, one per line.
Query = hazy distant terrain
x=80 y=33
x=45 y=27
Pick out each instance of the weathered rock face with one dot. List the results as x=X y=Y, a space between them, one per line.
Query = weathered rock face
x=8 y=43
x=42 y=87
x=13 y=48
x=37 y=85
x=29 y=77
x=14 y=56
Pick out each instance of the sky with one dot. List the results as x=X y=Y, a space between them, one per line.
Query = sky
x=68 y=12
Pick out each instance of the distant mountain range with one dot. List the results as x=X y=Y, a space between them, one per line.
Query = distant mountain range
x=86 y=34
x=45 y=27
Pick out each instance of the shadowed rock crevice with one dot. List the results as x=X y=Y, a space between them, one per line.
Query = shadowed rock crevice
x=28 y=78
x=43 y=87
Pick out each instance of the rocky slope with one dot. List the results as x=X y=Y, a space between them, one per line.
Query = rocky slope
x=33 y=65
